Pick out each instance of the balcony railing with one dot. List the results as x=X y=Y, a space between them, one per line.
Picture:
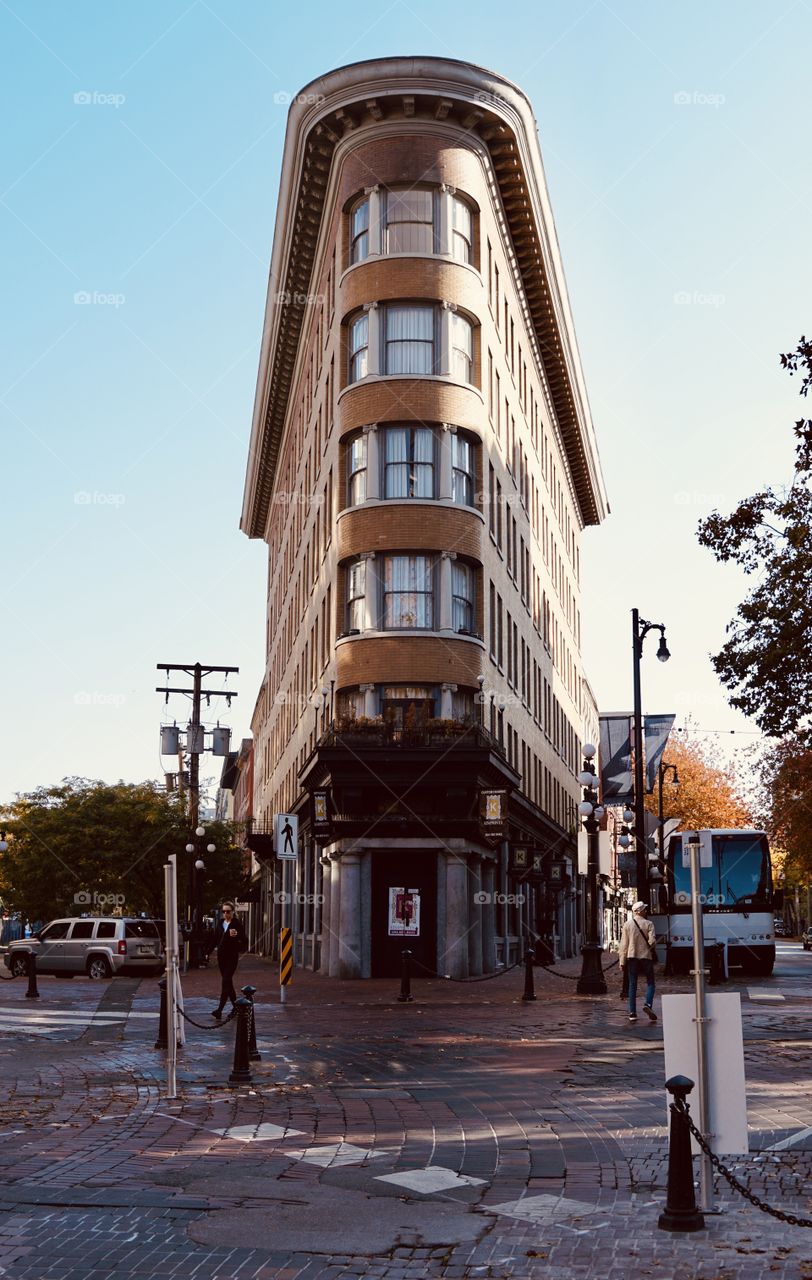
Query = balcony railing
x=434 y=734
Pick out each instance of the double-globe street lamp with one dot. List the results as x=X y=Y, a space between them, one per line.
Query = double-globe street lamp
x=197 y=948
x=591 y=981
x=640 y=629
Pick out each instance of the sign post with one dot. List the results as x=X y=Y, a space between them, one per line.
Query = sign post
x=701 y=1019
x=287 y=850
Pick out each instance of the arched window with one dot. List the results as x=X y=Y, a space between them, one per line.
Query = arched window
x=357 y=470
x=359 y=231
x=359 y=347
x=408 y=462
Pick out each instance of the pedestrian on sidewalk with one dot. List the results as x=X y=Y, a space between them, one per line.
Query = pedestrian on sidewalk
x=230 y=942
x=637 y=941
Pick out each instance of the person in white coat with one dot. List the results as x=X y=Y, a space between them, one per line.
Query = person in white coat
x=637 y=941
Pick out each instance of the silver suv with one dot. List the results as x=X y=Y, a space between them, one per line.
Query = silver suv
x=98 y=948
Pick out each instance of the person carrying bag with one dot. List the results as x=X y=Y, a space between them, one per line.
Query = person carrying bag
x=638 y=953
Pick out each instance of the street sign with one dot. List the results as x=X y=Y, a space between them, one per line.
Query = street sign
x=287 y=835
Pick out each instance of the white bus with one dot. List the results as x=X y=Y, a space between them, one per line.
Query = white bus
x=736 y=895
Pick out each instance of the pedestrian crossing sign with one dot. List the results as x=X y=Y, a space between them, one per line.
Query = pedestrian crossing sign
x=287 y=835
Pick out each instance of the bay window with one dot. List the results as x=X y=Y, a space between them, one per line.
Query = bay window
x=356 y=595
x=462 y=597
x=359 y=347
x=462 y=348
x=462 y=470
x=408 y=591
x=357 y=470
x=409 y=222
x=409 y=338
x=359 y=231
x=462 y=230
x=408 y=462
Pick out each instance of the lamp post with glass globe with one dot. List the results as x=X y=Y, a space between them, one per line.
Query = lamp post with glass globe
x=640 y=629
x=197 y=956
x=591 y=981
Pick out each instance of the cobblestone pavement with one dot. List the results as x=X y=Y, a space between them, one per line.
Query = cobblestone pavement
x=468 y=1134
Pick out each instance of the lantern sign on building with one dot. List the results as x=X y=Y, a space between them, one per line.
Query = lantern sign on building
x=320 y=819
x=520 y=860
x=493 y=815
x=557 y=873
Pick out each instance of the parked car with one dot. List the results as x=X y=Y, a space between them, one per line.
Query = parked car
x=96 y=947
x=806 y=940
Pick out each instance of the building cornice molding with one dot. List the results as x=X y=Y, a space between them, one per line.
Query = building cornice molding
x=491 y=111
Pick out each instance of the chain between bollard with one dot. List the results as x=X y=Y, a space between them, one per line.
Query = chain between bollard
x=218 y=1026
x=792 y=1218
x=485 y=977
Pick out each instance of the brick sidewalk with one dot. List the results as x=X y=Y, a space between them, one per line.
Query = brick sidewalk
x=549 y=1118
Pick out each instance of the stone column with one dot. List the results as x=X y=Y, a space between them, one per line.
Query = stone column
x=445 y=611
x=455 y=961
x=489 y=916
x=444 y=485
x=374 y=344
x=444 y=353
x=335 y=914
x=349 y=944
x=370 y=710
x=446 y=700
x=475 y=917
x=324 y=915
x=446 y=192
x=370 y=592
x=373 y=461
x=374 y=194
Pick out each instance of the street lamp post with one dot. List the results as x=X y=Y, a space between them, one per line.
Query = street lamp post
x=591 y=981
x=640 y=629
x=662 y=771
x=197 y=949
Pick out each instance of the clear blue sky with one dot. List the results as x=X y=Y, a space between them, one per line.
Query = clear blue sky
x=674 y=149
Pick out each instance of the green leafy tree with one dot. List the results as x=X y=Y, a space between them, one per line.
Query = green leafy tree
x=81 y=838
x=785 y=775
x=767 y=660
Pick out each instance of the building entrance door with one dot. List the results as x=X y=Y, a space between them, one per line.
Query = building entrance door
x=404 y=910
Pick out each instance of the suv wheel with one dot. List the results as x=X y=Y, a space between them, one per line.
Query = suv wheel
x=19 y=966
x=98 y=968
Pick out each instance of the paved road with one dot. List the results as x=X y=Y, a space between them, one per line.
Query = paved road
x=467 y=1134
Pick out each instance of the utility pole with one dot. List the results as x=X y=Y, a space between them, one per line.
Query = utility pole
x=195 y=743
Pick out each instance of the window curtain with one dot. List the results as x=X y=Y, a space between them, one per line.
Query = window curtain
x=409 y=222
x=409 y=339
x=360 y=232
x=408 y=599
x=462 y=611
x=359 y=347
x=462 y=470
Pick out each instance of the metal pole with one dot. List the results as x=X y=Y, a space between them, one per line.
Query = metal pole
x=284 y=921
x=171 y=942
x=661 y=819
x=639 y=807
x=701 y=1020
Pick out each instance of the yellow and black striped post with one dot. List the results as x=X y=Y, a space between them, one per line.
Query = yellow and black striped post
x=285 y=961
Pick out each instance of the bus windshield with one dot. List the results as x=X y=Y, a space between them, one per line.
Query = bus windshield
x=740 y=875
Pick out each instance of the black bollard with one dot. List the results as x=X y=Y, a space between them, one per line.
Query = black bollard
x=405 y=996
x=680 y=1213
x=529 y=990
x=163 y=1040
x=254 y=1054
x=241 y=1071
x=32 y=993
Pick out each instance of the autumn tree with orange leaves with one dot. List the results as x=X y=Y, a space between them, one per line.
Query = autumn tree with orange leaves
x=708 y=794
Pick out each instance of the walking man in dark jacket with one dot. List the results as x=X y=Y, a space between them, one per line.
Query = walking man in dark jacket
x=230 y=942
